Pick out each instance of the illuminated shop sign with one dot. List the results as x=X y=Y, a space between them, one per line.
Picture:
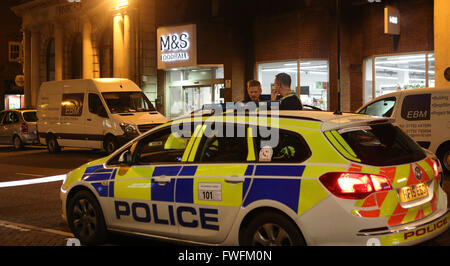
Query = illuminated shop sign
x=391 y=20
x=177 y=46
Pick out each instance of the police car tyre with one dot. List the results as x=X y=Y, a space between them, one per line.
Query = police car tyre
x=443 y=154
x=271 y=229
x=110 y=144
x=52 y=144
x=17 y=142
x=86 y=219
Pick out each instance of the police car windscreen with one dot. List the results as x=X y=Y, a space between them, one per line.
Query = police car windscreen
x=383 y=145
x=127 y=102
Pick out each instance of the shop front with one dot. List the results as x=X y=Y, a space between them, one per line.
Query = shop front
x=187 y=84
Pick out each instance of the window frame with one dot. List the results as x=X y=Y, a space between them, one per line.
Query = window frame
x=297 y=135
x=203 y=140
x=373 y=57
x=17 y=59
x=297 y=84
x=383 y=99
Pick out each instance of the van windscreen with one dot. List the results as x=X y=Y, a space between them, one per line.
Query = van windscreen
x=382 y=145
x=127 y=102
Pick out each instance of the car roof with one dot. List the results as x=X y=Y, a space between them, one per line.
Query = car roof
x=21 y=110
x=329 y=120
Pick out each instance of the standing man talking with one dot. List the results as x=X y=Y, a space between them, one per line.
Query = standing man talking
x=254 y=90
x=289 y=99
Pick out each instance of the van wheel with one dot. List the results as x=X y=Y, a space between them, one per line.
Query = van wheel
x=271 y=229
x=110 y=144
x=52 y=145
x=85 y=218
x=444 y=156
x=17 y=142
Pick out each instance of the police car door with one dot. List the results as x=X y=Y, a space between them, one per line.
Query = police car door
x=144 y=189
x=210 y=188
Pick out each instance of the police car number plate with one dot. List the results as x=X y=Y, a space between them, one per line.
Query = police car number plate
x=414 y=192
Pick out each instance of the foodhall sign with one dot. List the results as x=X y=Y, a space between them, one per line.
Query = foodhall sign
x=177 y=46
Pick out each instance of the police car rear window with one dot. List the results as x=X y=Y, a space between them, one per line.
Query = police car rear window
x=382 y=145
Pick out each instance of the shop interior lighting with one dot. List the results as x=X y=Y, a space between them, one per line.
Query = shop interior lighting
x=403 y=69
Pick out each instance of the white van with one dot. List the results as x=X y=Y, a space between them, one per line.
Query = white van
x=93 y=113
x=423 y=113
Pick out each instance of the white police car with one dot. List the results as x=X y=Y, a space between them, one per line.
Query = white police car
x=294 y=178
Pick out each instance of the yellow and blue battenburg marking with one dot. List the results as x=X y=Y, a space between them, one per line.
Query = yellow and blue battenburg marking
x=279 y=183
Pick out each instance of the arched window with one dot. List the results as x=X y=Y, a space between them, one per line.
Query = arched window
x=106 y=54
x=51 y=60
x=77 y=58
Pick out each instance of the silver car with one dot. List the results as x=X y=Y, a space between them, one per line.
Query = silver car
x=18 y=127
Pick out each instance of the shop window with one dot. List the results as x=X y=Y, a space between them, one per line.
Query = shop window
x=189 y=89
x=51 y=60
x=397 y=72
x=314 y=85
x=310 y=79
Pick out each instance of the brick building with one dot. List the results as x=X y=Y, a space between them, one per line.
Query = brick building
x=229 y=43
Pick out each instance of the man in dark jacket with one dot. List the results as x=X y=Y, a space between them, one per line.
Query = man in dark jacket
x=289 y=99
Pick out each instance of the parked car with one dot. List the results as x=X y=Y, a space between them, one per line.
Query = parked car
x=315 y=178
x=93 y=113
x=424 y=114
x=18 y=127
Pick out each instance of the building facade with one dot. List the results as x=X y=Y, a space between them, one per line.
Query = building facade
x=185 y=53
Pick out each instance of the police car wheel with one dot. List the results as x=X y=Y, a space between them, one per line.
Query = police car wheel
x=272 y=229
x=86 y=218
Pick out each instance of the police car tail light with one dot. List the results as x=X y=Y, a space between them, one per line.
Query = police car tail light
x=435 y=169
x=354 y=185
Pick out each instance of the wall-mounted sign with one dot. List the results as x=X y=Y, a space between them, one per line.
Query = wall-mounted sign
x=177 y=46
x=391 y=20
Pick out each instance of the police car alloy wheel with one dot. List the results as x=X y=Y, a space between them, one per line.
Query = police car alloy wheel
x=271 y=229
x=86 y=218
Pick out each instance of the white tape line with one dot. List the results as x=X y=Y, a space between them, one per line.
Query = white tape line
x=27 y=228
x=32 y=181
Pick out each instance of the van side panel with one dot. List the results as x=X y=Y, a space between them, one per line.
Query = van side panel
x=425 y=116
x=49 y=110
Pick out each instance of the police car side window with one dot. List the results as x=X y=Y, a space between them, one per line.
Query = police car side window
x=223 y=143
x=290 y=148
x=163 y=146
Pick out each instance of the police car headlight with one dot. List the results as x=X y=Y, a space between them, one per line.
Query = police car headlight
x=128 y=128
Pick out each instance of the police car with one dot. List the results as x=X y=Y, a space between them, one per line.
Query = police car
x=290 y=178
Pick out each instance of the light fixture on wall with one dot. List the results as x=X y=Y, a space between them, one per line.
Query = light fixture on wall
x=121 y=4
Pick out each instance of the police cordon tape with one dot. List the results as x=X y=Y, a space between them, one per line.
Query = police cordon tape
x=32 y=181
